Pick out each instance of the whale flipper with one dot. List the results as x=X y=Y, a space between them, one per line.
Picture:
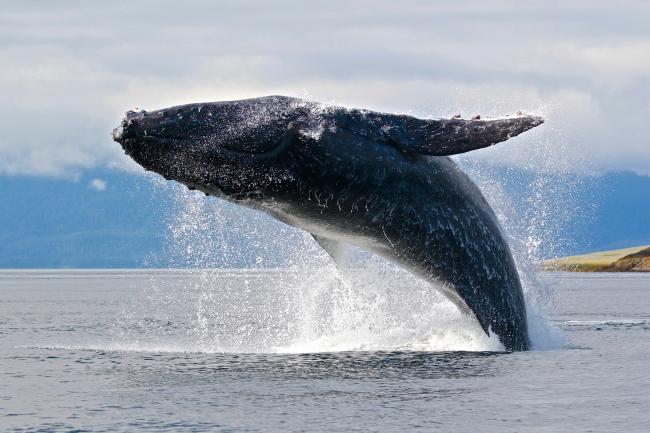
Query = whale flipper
x=434 y=137
x=332 y=247
x=444 y=137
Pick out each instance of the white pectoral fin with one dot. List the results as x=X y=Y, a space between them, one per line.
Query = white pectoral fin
x=333 y=247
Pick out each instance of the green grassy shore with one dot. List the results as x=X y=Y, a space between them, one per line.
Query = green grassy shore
x=634 y=259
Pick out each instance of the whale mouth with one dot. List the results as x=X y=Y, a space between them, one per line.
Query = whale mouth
x=144 y=132
x=159 y=146
x=208 y=125
x=136 y=125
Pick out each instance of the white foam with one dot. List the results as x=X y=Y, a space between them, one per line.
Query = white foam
x=375 y=308
x=313 y=306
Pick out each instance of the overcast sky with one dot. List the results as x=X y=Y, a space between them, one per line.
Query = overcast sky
x=71 y=69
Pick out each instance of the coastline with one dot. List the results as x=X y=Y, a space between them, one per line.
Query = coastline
x=633 y=259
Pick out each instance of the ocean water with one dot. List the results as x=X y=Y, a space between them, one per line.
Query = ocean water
x=308 y=350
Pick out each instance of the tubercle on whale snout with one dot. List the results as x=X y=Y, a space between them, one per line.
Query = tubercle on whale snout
x=121 y=133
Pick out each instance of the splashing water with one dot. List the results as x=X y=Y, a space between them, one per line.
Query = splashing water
x=306 y=305
x=294 y=299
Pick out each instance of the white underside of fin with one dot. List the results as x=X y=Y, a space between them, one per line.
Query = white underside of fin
x=333 y=247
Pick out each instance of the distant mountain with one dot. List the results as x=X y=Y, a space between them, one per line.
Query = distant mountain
x=109 y=219
x=579 y=214
x=50 y=223
x=622 y=216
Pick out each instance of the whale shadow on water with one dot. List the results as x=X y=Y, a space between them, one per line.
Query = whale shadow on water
x=380 y=182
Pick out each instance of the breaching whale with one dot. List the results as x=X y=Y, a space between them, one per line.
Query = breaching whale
x=379 y=181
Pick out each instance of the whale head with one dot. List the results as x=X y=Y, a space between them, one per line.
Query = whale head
x=232 y=150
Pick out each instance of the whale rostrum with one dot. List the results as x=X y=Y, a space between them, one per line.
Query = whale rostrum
x=379 y=181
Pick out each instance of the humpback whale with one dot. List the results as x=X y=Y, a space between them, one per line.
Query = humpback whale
x=379 y=181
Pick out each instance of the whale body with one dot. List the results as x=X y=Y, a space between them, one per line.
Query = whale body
x=379 y=181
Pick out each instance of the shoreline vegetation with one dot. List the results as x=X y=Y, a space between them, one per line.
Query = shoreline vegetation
x=634 y=259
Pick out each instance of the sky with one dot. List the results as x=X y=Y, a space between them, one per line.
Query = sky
x=70 y=69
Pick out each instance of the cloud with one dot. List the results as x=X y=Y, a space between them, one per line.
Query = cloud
x=70 y=69
x=97 y=185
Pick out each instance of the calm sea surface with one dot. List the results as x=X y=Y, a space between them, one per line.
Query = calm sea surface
x=248 y=351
